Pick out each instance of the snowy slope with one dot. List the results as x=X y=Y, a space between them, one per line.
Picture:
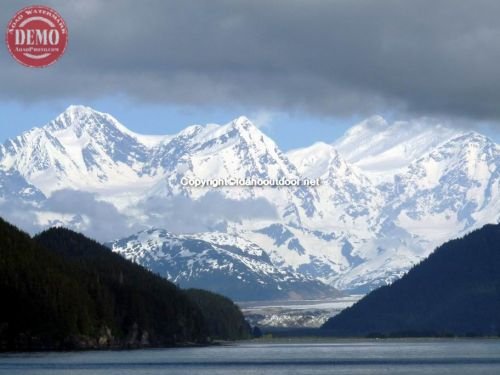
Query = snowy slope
x=453 y=188
x=219 y=262
x=81 y=149
x=389 y=193
x=348 y=199
x=382 y=149
x=444 y=194
x=235 y=150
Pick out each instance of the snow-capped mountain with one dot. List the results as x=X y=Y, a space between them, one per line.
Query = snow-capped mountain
x=453 y=187
x=382 y=149
x=81 y=149
x=220 y=262
x=235 y=150
x=389 y=194
x=348 y=198
x=446 y=193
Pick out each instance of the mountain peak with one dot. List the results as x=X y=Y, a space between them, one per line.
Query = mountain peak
x=472 y=136
x=242 y=119
x=373 y=123
x=314 y=161
x=243 y=123
x=382 y=149
x=238 y=130
x=83 y=119
x=462 y=143
x=78 y=117
x=78 y=109
x=318 y=150
x=77 y=114
x=466 y=150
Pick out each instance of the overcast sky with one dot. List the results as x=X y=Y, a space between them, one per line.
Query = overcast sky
x=305 y=69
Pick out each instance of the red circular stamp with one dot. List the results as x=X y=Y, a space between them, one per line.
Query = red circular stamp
x=36 y=36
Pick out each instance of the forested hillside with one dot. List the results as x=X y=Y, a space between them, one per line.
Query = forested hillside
x=225 y=320
x=61 y=290
x=455 y=291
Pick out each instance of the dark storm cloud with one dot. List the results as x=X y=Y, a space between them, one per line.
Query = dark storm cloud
x=325 y=57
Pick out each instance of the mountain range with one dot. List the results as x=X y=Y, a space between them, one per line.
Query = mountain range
x=218 y=261
x=389 y=194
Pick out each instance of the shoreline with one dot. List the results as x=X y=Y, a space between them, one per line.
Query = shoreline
x=295 y=340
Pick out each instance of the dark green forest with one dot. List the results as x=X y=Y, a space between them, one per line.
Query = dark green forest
x=61 y=290
x=224 y=318
x=454 y=292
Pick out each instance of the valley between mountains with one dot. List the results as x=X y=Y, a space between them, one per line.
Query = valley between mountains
x=390 y=194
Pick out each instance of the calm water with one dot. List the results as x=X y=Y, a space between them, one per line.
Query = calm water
x=340 y=357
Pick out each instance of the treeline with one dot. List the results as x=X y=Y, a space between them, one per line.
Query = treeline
x=454 y=292
x=61 y=290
